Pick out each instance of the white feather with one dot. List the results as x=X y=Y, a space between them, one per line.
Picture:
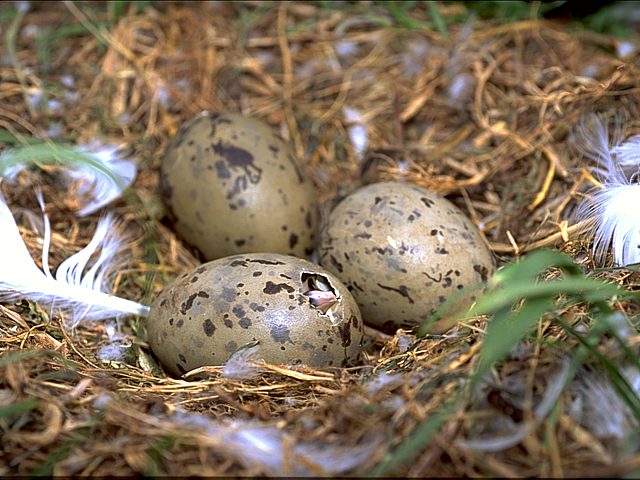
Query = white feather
x=101 y=171
x=102 y=188
x=267 y=447
x=616 y=223
x=592 y=140
x=117 y=345
x=241 y=365
x=612 y=209
x=77 y=294
x=628 y=153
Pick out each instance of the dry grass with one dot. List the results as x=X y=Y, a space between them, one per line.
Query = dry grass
x=499 y=147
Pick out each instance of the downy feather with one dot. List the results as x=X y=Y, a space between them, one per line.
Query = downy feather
x=357 y=130
x=628 y=153
x=75 y=290
x=104 y=189
x=101 y=171
x=612 y=209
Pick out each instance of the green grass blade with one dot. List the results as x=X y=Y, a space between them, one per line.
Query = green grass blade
x=518 y=285
x=589 y=289
x=517 y=281
x=156 y=455
x=437 y=18
x=10 y=39
x=399 y=11
x=47 y=466
x=10 y=139
x=534 y=263
x=7 y=412
x=8 y=14
x=47 y=41
x=446 y=308
x=19 y=356
x=507 y=329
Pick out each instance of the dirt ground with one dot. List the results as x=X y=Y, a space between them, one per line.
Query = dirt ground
x=483 y=113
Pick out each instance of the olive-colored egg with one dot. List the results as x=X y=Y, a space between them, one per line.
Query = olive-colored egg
x=402 y=251
x=296 y=310
x=233 y=186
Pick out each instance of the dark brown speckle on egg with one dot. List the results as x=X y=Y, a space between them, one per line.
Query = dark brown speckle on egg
x=399 y=247
x=265 y=298
x=223 y=181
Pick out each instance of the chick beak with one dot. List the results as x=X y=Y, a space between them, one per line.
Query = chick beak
x=322 y=300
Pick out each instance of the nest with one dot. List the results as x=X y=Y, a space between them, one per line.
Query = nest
x=482 y=115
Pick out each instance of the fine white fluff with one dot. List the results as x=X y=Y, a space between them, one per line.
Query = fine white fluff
x=613 y=209
x=241 y=364
x=383 y=381
x=599 y=408
x=117 y=345
x=77 y=289
x=357 y=130
x=628 y=153
x=261 y=445
x=518 y=432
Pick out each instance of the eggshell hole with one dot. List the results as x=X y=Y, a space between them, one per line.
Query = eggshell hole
x=322 y=295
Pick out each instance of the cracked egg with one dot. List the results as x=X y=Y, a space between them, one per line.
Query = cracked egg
x=296 y=311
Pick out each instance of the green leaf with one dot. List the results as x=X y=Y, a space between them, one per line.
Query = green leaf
x=9 y=138
x=531 y=265
x=507 y=329
x=584 y=287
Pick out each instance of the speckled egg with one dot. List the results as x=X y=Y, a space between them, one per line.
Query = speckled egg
x=402 y=251
x=233 y=185
x=297 y=311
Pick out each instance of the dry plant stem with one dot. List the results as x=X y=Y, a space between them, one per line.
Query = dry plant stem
x=551 y=240
x=501 y=150
x=553 y=160
x=287 y=85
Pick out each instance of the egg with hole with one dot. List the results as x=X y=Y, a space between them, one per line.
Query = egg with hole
x=296 y=311
x=232 y=185
x=402 y=251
